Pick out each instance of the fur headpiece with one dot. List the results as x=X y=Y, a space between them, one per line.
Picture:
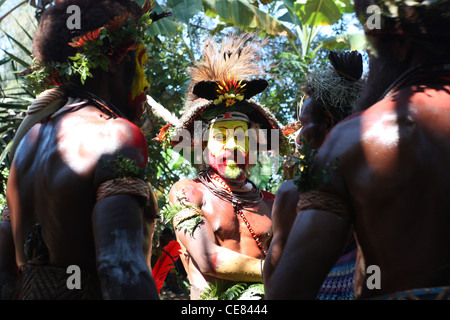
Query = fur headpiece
x=337 y=88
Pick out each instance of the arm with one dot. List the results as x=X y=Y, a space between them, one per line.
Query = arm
x=119 y=226
x=118 y=234
x=217 y=261
x=283 y=216
x=8 y=278
x=318 y=235
x=315 y=243
x=210 y=258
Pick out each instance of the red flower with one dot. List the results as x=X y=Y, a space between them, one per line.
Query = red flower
x=162 y=132
x=78 y=42
x=288 y=131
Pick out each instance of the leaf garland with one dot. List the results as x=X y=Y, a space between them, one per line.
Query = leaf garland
x=99 y=48
x=306 y=178
x=169 y=211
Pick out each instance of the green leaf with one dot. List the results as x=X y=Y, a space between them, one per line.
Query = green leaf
x=164 y=26
x=176 y=160
x=184 y=10
x=20 y=45
x=354 y=41
x=247 y=17
x=318 y=12
x=17 y=59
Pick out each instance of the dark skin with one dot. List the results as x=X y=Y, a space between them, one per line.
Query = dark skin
x=393 y=171
x=316 y=124
x=53 y=180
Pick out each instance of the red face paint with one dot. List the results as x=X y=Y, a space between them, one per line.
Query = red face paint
x=139 y=142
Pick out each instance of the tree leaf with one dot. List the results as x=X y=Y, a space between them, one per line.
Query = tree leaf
x=318 y=12
x=184 y=10
x=354 y=41
x=247 y=17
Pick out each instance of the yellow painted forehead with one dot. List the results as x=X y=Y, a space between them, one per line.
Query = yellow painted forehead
x=231 y=124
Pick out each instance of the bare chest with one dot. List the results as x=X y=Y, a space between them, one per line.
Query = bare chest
x=238 y=226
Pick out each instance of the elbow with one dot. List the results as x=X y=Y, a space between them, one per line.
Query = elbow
x=207 y=267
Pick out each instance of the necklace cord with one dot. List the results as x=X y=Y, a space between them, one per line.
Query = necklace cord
x=238 y=200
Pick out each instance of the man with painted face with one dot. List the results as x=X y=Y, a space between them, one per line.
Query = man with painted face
x=79 y=221
x=221 y=219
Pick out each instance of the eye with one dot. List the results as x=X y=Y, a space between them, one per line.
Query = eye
x=239 y=136
x=219 y=136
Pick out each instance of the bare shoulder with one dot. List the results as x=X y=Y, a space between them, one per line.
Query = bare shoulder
x=87 y=135
x=286 y=191
x=191 y=191
x=341 y=142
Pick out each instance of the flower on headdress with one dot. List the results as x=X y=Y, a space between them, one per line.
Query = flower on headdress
x=230 y=91
x=80 y=41
x=163 y=133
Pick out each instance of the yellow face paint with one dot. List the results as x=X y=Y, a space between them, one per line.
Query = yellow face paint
x=140 y=84
x=228 y=135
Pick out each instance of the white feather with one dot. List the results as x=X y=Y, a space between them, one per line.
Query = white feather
x=162 y=112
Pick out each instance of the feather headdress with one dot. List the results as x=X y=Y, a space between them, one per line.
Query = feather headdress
x=237 y=56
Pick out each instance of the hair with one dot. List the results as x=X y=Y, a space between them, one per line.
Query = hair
x=51 y=40
x=337 y=88
x=425 y=23
x=423 y=27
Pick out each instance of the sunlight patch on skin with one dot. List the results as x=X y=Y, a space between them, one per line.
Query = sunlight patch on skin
x=82 y=150
x=380 y=140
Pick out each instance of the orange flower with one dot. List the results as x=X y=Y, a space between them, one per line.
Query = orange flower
x=288 y=131
x=78 y=42
x=162 y=132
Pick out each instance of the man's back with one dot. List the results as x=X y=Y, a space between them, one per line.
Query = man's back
x=57 y=169
x=393 y=165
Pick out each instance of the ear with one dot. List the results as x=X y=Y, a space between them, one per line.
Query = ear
x=205 y=89
x=253 y=87
x=328 y=123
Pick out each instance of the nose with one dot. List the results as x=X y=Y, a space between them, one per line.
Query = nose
x=231 y=144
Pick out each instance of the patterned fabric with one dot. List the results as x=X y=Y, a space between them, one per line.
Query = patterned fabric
x=50 y=283
x=339 y=283
x=435 y=293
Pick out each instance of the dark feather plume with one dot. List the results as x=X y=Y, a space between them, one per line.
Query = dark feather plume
x=348 y=65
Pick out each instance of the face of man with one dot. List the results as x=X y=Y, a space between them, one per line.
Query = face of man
x=228 y=148
x=315 y=125
x=139 y=84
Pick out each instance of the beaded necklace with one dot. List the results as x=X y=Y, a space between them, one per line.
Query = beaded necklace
x=238 y=200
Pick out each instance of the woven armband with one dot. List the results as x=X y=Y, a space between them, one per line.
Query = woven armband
x=325 y=201
x=184 y=214
x=130 y=186
x=6 y=216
